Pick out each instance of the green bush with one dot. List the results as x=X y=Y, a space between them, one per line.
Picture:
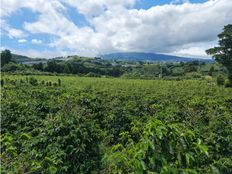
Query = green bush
x=228 y=84
x=2 y=82
x=11 y=67
x=161 y=148
x=33 y=81
x=109 y=125
x=220 y=80
x=59 y=82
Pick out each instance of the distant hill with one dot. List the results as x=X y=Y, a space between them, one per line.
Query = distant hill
x=123 y=56
x=26 y=60
x=151 y=57
x=19 y=58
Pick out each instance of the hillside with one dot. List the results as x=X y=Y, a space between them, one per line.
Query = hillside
x=122 y=56
x=19 y=58
x=26 y=60
x=152 y=57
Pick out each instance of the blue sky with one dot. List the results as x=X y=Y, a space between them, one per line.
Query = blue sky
x=146 y=4
x=90 y=28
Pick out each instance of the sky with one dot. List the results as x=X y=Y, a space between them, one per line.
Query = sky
x=50 y=28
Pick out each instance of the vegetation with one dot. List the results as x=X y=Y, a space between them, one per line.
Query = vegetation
x=223 y=52
x=5 y=57
x=71 y=124
x=179 y=123
x=97 y=67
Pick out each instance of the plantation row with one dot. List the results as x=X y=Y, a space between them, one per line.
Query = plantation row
x=30 y=80
x=99 y=125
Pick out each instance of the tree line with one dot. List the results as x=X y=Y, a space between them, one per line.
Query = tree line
x=96 y=68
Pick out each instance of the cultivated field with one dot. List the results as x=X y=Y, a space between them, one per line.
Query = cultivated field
x=70 y=124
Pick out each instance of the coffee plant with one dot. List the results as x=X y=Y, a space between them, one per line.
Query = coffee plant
x=70 y=124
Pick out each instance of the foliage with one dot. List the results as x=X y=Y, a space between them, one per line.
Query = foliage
x=38 y=66
x=112 y=125
x=12 y=67
x=41 y=137
x=223 y=52
x=33 y=81
x=97 y=67
x=5 y=57
x=220 y=80
x=161 y=148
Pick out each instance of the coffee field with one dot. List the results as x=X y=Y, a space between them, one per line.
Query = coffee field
x=70 y=124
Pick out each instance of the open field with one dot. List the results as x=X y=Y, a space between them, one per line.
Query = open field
x=116 y=87
x=113 y=125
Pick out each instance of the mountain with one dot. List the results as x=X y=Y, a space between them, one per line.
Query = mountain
x=151 y=57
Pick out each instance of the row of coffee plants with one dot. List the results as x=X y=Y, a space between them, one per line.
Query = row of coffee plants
x=98 y=125
x=29 y=80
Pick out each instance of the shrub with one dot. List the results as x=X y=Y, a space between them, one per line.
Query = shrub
x=33 y=81
x=55 y=84
x=209 y=79
x=228 y=84
x=193 y=75
x=58 y=146
x=21 y=81
x=12 y=82
x=2 y=82
x=161 y=148
x=59 y=82
x=220 y=80
x=13 y=67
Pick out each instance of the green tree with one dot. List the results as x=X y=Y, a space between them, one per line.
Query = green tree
x=211 y=70
x=67 y=68
x=223 y=52
x=220 y=80
x=38 y=66
x=5 y=57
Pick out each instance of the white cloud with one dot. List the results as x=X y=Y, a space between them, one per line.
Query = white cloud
x=164 y=28
x=194 y=50
x=22 y=40
x=51 y=19
x=169 y=28
x=184 y=28
x=36 y=41
x=10 y=31
x=10 y=6
x=41 y=54
x=95 y=8
x=33 y=53
x=15 y=33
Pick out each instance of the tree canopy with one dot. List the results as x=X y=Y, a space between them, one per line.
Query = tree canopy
x=223 y=52
x=5 y=57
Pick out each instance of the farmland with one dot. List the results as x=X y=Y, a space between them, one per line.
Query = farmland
x=70 y=124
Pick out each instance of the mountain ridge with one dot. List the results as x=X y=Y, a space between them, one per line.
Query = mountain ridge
x=123 y=56
x=152 y=57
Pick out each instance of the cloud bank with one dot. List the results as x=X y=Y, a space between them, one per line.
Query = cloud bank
x=115 y=25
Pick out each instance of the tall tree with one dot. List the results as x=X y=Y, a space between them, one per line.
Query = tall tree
x=5 y=57
x=223 y=52
x=38 y=66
